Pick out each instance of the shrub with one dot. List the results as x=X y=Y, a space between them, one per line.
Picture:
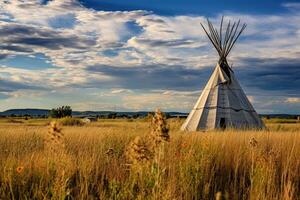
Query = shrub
x=68 y=121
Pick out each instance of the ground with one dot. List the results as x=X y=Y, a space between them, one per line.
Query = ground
x=90 y=161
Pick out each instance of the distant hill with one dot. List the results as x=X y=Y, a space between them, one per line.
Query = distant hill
x=45 y=112
x=27 y=111
x=281 y=116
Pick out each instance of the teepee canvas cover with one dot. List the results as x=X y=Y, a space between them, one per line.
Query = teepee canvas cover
x=222 y=102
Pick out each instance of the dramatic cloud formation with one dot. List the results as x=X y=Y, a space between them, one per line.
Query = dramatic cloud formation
x=138 y=59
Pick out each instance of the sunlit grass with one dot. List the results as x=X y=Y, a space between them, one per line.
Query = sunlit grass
x=93 y=165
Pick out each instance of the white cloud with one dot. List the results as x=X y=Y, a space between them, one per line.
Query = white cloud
x=164 y=99
x=26 y=93
x=292 y=6
x=50 y=78
x=175 y=93
x=119 y=91
x=292 y=100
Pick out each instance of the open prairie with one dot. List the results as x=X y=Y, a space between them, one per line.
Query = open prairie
x=90 y=162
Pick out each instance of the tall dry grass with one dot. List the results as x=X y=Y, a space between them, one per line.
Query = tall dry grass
x=92 y=163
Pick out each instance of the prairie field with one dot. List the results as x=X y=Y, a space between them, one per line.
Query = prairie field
x=92 y=162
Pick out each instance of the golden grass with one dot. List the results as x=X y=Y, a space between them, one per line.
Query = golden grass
x=92 y=164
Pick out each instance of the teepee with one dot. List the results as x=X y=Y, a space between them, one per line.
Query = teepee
x=222 y=103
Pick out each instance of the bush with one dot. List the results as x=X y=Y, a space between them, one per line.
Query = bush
x=64 y=111
x=68 y=121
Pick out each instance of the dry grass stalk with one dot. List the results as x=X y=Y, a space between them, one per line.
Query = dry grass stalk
x=159 y=128
x=143 y=149
x=55 y=138
x=218 y=195
x=288 y=191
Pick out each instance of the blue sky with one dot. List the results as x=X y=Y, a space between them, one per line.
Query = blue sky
x=190 y=7
x=140 y=55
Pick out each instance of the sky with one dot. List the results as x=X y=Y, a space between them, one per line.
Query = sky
x=141 y=55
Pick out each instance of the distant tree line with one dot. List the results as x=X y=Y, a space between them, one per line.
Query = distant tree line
x=64 y=111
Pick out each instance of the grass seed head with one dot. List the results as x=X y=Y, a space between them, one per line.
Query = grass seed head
x=55 y=137
x=159 y=128
x=139 y=151
x=110 y=151
x=253 y=143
